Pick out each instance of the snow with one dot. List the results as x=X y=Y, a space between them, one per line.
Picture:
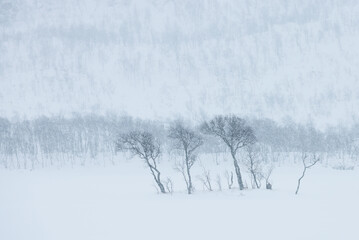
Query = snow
x=163 y=58
x=289 y=61
x=119 y=202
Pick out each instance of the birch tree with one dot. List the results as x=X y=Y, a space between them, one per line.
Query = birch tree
x=145 y=146
x=187 y=141
x=235 y=133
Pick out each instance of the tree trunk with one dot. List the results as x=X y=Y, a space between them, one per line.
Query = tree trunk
x=189 y=188
x=255 y=179
x=159 y=183
x=238 y=171
x=157 y=178
x=162 y=188
x=300 y=179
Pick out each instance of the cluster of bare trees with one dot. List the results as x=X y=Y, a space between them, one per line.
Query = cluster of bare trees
x=90 y=139
x=185 y=140
x=59 y=141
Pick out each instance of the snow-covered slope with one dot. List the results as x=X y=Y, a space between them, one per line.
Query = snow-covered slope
x=162 y=58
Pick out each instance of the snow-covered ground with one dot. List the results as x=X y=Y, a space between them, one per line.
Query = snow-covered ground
x=93 y=67
x=120 y=202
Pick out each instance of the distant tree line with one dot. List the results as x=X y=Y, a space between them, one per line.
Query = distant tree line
x=59 y=141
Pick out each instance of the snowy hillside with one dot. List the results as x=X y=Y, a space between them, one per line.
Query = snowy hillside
x=163 y=58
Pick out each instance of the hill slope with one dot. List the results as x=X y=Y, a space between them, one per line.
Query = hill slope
x=162 y=58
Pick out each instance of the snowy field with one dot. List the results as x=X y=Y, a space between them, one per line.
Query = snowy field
x=84 y=84
x=120 y=202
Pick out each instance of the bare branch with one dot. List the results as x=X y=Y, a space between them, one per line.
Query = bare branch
x=253 y=164
x=306 y=166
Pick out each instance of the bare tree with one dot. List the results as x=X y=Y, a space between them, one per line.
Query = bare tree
x=180 y=166
x=187 y=141
x=252 y=162
x=306 y=166
x=144 y=145
x=265 y=174
x=206 y=179
x=169 y=185
x=229 y=178
x=234 y=132
x=219 y=182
